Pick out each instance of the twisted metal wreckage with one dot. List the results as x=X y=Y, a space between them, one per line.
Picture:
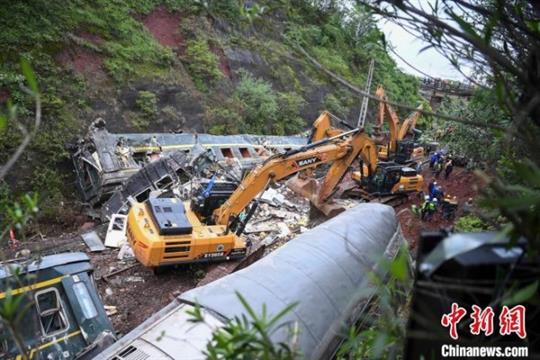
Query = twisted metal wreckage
x=112 y=167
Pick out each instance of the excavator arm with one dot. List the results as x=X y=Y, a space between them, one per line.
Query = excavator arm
x=393 y=124
x=340 y=150
x=409 y=123
x=322 y=128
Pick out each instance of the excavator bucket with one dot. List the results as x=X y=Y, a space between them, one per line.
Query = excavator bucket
x=308 y=188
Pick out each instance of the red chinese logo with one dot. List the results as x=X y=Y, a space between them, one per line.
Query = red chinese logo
x=453 y=319
x=482 y=320
x=511 y=321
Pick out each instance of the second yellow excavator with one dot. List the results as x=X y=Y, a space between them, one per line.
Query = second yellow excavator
x=390 y=177
x=397 y=148
x=394 y=148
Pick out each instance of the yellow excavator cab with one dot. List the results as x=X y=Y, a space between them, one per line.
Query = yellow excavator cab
x=389 y=179
x=165 y=231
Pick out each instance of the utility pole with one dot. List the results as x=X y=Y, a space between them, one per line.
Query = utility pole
x=363 y=108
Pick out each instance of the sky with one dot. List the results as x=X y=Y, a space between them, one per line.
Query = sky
x=408 y=47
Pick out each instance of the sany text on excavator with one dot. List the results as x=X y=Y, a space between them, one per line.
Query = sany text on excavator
x=167 y=231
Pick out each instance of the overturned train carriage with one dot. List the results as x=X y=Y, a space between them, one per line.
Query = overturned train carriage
x=103 y=161
x=60 y=314
x=324 y=270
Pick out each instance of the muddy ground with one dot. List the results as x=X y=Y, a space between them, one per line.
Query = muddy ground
x=461 y=183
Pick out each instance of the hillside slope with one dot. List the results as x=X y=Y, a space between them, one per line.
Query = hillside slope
x=169 y=65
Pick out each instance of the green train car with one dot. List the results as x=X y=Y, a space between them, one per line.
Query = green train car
x=60 y=314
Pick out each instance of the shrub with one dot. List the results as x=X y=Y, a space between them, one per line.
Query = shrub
x=334 y=105
x=260 y=105
x=471 y=223
x=224 y=120
x=147 y=103
x=202 y=64
x=257 y=109
x=289 y=121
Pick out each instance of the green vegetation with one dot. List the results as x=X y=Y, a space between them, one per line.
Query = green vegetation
x=335 y=105
x=259 y=102
x=202 y=63
x=257 y=109
x=471 y=223
x=249 y=337
x=147 y=103
x=481 y=145
x=344 y=40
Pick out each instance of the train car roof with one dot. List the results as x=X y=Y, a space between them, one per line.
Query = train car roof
x=45 y=262
x=323 y=268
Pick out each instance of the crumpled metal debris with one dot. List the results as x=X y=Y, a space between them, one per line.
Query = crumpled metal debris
x=278 y=218
x=104 y=161
x=126 y=252
x=93 y=241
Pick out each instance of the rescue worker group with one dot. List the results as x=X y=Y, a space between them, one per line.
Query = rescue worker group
x=436 y=199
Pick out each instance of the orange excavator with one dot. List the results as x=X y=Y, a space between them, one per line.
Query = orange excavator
x=167 y=231
x=398 y=147
x=390 y=177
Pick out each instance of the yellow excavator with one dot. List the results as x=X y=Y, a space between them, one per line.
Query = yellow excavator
x=390 y=177
x=397 y=146
x=167 y=231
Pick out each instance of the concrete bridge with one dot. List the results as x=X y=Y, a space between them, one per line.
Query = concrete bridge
x=434 y=90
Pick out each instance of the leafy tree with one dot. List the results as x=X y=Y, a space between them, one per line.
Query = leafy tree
x=481 y=145
x=498 y=41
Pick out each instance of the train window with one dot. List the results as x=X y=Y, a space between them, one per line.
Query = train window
x=51 y=313
x=245 y=152
x=164 y=182
x=261 y=151
x=227 y=152
x=143 y=195
x=83 y=296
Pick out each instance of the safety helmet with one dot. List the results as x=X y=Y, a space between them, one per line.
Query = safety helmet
x=435 y=200
x=426 y=197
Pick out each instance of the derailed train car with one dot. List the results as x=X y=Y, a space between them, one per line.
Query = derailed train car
x=323 y=270
x=103 y=161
